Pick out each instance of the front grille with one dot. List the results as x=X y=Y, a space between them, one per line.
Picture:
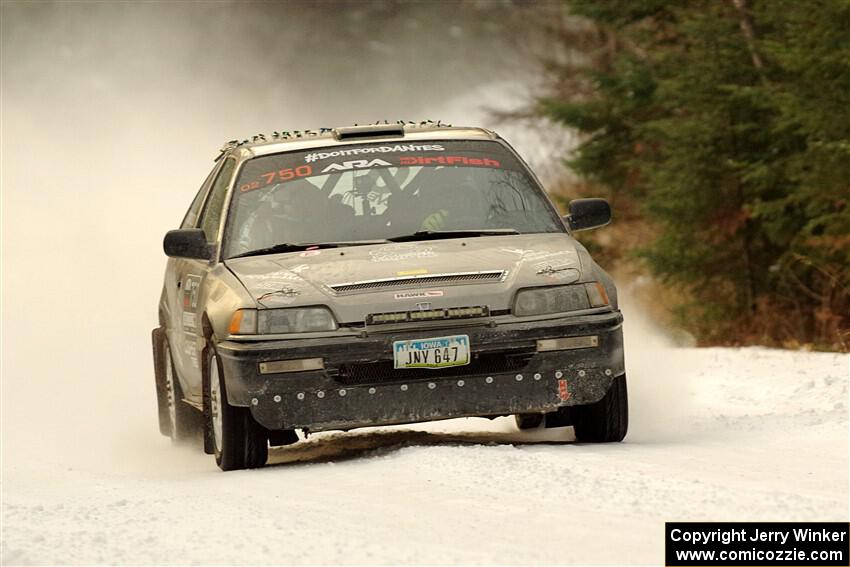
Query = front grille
x=420 y=281
x=383 y=371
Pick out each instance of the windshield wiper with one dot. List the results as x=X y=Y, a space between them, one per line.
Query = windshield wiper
x=294 y=247
x=439 y=234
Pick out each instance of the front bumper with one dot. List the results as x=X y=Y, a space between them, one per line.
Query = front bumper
x=359 y=387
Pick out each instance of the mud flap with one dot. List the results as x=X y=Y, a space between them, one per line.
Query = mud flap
x=281 y=437
x=560 y=418
x=206 y=430
x=158 y=342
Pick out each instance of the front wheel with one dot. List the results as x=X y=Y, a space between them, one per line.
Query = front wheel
x=236 y=440
x=608 y=419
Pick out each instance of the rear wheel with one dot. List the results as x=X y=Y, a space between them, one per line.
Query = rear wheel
x=528 y=420
x=236 y=440
x=607 y=420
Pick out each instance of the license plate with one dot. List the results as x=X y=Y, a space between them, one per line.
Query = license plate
x=438 y=352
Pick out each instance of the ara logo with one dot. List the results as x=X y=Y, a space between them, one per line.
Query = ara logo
x=355 y=164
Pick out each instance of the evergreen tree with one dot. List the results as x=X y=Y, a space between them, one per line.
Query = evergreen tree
x=729 y=122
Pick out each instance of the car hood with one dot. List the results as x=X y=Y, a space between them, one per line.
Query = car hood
x=357 y=280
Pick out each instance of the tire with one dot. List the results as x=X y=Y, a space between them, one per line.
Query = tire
x=607 y=420
x=231 y=433
x=182 y=419
x=528 y=420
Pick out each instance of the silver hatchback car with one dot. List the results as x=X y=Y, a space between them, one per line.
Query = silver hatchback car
x=377 y=275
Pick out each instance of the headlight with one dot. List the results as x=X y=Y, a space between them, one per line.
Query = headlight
x=298 y=320
x=559 y=299
x=281 y=321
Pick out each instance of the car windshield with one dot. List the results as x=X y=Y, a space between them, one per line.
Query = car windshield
x=383 y=191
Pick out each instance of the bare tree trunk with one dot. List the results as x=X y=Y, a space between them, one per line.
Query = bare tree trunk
x=746 y=24
x=746 y=244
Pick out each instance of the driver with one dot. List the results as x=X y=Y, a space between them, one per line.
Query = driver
x=454 y=198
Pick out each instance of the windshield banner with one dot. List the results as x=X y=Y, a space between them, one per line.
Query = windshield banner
x=280 y=168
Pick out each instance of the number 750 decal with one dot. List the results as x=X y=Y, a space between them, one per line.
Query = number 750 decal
x=280 y=176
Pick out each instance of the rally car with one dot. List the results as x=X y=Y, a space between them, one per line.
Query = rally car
x=377 y=275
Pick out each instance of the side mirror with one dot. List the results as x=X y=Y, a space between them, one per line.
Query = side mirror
x=588 y=213
x=186 y=243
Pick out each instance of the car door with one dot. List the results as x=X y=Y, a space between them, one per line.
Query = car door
x=173 y=284
x=191 y=275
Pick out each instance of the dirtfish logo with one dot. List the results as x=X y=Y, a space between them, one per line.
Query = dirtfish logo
x=355 y=164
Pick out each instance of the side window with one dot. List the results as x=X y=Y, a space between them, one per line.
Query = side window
x=211 y=217
x=195 y=208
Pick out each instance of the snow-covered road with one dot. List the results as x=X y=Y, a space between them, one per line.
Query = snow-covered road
x=717 y=434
